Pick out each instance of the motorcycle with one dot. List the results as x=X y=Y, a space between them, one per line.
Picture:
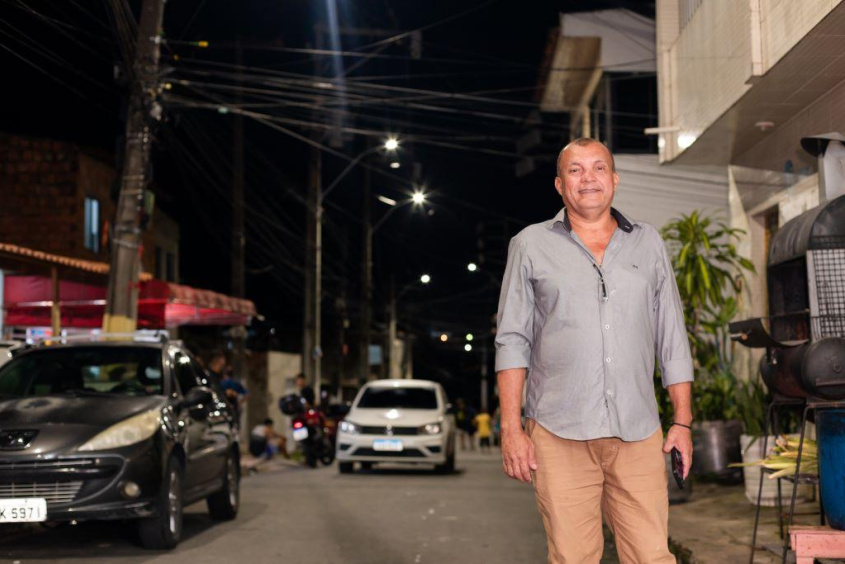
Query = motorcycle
x=312 y=430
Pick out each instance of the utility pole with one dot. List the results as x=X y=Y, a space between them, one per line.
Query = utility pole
x=484 y=376
x=391 y=329
x=122 y=299
x=238 y=333
x=366 y=281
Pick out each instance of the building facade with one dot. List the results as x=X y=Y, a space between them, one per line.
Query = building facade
x=56 y=197
x=740 y=83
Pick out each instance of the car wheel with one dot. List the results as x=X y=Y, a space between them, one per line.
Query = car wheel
x=163 y=531
x=345 y=467
x=449 y=466
x=223 y=505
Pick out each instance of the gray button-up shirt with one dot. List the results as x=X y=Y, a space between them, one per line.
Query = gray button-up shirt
x=589 y=333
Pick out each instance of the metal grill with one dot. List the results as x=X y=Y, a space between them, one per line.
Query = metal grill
x=66 y=464
x=53 y=492
x=829 y=267
x=400 y=431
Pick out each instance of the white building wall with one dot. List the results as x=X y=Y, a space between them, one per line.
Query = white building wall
x=657 y=193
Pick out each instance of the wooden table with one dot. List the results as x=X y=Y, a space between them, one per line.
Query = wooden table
x=816 y=542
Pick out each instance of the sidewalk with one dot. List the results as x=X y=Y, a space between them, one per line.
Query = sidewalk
x=716 y=526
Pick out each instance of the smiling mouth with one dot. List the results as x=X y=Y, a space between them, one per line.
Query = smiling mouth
x=589 y=191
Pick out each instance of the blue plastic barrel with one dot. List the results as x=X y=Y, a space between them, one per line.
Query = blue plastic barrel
x=830 y=425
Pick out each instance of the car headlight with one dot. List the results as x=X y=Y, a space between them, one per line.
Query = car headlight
x=128 y=432
x=431 y=429
x=349 y=427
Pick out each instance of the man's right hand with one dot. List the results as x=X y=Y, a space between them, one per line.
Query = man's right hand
x=518 y=455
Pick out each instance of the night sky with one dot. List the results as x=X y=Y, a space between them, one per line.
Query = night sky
x=464 y=150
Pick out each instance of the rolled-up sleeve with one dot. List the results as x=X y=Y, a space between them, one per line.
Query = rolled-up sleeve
x=671 y=340
x=515 y=318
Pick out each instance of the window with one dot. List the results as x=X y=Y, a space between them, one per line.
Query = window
x=159 y=263
x=133 y=371
x=92 y=225
x=170 y=267
x=407 y=398
x=185 y=374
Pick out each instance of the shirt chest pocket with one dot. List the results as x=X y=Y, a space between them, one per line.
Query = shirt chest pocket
x=637 y=281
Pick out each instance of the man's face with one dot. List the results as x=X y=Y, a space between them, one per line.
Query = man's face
x=588 y=182
x=217 y=363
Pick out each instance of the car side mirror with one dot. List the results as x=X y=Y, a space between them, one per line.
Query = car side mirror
x=199 y=396
x=450 y=409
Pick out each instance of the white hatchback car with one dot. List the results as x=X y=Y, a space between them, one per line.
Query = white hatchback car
x=398 y=421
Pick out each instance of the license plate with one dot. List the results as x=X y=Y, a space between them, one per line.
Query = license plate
x=23 y=510
x=300 y=434
x=388 y=445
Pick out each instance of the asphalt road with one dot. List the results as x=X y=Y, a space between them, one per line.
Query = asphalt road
x=396 y=515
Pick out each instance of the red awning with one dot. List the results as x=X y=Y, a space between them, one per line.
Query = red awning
x=28 y=302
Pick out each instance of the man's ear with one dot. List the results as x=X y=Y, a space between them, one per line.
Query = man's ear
x=559 y=185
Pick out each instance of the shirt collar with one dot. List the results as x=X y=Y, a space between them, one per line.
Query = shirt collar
x=624 y=224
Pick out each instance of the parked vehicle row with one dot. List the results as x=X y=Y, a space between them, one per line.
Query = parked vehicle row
x=109 y=429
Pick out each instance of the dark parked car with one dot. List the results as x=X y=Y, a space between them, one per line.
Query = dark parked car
x=114 y=430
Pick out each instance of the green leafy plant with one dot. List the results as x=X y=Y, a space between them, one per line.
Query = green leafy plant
x=710 y=275
x=752 y=397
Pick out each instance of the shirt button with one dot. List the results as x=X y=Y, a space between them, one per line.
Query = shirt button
x=607 y=326
x=607 y=359
x=610 y=392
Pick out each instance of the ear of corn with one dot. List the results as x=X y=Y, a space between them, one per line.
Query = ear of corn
x=784 y=457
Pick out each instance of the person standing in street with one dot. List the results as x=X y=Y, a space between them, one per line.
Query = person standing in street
x=483 y=425
x=588 y=301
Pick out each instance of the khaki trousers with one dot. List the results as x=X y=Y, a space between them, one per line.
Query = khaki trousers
x=578 y=481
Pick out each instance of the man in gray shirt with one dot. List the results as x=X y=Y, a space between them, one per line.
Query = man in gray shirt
x=588 y=301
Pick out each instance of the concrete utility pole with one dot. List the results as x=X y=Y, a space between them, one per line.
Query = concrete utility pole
x=122 y=299
x=238 y=333
x=366 y=281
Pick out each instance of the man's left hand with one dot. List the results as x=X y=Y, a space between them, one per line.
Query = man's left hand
x=680 y=438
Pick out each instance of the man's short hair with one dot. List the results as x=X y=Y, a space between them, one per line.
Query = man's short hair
x=268 y=421
x=583 y=142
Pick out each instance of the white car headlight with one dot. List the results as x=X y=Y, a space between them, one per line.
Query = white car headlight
x=431 y=429
x=128 y=432
x=349 y=427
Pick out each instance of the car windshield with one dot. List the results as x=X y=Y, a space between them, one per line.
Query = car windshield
x=407 y=398
x=87 y=370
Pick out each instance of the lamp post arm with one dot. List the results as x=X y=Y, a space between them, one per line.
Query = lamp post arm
x=387 y=215
x=348 y=168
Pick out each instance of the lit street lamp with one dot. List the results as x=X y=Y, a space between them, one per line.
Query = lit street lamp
x=472 y=267
x=390 y=145
x=392 y=323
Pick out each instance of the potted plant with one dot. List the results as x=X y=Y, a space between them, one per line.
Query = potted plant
x=710 y=275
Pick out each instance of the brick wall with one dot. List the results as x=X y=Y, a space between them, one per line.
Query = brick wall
x=43 y=186
x=39 y=200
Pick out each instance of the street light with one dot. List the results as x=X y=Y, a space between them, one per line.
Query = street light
x=472 y=267
x=418 y=198
x=390 y=145
x=468 y=347
x=392 y=322
x=469 y=337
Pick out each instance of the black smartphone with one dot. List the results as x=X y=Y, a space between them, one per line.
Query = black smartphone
x=678 y=467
